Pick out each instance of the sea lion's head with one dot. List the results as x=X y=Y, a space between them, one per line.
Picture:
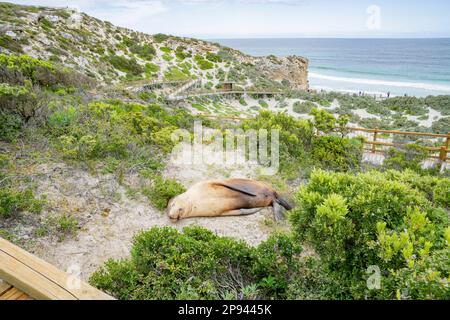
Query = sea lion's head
x=178 y=208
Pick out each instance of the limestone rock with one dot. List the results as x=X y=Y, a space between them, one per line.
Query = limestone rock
x=293 y=69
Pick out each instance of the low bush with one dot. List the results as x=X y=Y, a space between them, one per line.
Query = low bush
x=151 y=68
x=295 y=136
x=406 y=157
x=21 y=100
x=263 y=104
x=324 y=121
x=336 y=153
x=197 y=264
x=370 y=221
x=162 y=190
x=175 y=74
x=13 y=201
x=213 y=57
x=159 y=37
x=130 y=66
x=144 y=51
x=15 y=69
x=10 y=125
x=303 y=107
x=203 y=64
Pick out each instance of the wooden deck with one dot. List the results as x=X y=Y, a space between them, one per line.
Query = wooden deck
x=24 y=276
x=9 y=292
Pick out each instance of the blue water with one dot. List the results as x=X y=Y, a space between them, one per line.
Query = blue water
x=417 y=67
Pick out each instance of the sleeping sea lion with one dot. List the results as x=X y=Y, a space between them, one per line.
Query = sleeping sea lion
x=234 y=197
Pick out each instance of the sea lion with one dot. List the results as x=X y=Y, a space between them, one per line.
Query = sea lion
x=234 y=197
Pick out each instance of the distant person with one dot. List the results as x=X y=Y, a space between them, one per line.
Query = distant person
x=388 y=94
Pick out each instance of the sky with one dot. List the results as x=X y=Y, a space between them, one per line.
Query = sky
x=217 y=19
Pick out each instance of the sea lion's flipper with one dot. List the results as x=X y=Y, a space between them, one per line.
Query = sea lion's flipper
x=242 y=212
x=283 y=203
x=278 y=211
x=239 y=186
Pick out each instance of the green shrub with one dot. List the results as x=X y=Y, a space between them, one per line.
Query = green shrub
x=202 y=63
x=162 y=190
x=67 y=224
x=10 y=125
x=263 y=104
x=159 y=38
x=441 y=126
x=9 y=43
x=197 y=264
x=357 y=221
x=123 y=64
x=60 y=122
x=182 y=54
x=324 y=121
x=303 y=107
x=13 y=201
x=175 y=74
x=406 y=157
x=293 y=132
x=165 y=50
x=336 y=153
x=295 y=136
x=213 y=57
x=144 y=51
x=436 y=189
x=151 y=68
x=15 y=69
x=167 y=57
x=45 y=24
x=21 y=100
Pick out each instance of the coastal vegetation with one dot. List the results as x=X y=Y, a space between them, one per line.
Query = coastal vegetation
x=86 y=141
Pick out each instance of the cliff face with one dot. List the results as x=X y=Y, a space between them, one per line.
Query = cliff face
x=291 y=70
x=111 y=54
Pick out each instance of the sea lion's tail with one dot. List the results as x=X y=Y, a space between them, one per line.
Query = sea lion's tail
x=283 y=203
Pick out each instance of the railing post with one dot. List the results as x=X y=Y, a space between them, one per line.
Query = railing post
x=444 y=148
x=443 y=153
x=375 y=136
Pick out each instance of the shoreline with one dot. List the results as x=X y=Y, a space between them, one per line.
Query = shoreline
x=376 y=87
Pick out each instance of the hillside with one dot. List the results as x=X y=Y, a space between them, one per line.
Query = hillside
x=88 y=116
x=110 y=54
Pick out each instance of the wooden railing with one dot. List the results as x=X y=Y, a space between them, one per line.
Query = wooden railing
x=442 y=151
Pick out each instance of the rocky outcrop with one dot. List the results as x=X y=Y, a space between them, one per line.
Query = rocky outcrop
x=292 y=70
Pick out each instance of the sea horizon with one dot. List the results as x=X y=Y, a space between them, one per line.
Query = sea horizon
x=376 y=66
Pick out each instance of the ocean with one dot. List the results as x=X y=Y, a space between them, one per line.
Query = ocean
x=417 y=67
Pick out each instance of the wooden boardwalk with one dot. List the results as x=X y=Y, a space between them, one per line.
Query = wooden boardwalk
x=24 y=276
x=224 y=92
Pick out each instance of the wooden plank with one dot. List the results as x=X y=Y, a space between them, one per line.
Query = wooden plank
x=4 y=286
x=390 y=144
x=24 y=296
x=405 y=133
x=40 y=279
x=11 y=294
